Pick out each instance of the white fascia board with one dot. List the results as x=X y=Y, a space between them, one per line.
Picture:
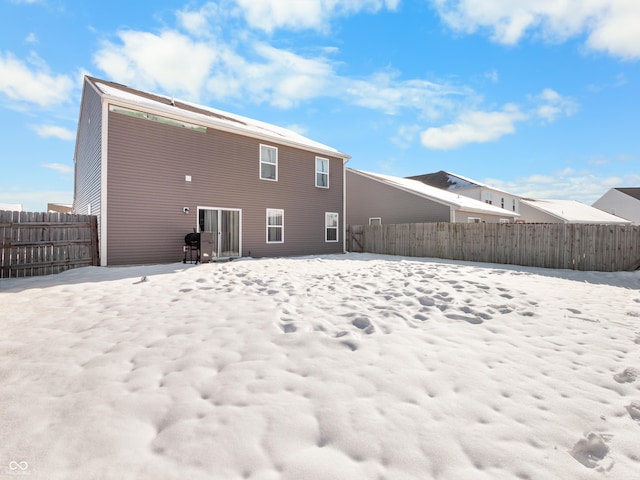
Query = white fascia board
x=206 y=121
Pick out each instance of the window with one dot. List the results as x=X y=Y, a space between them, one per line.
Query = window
x=322 y=172
x=487 y=198
x=268 y=163
x=473 y=220
x=330 y=227
x=375 y=221
x=275 y=225
x=502 y=202
x=514 y=205
x=505 y=220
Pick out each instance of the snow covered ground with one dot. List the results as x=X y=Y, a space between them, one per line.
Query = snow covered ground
x=333 y=367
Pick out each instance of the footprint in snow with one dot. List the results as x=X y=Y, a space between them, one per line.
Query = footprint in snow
x=591 y=450
x=629 y=375
x=634 y=410
x=466 y=318
x=364 y=324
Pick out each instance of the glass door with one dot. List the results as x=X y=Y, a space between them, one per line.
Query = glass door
x=225 y=226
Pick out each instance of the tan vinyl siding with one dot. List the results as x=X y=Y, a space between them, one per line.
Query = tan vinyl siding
x=367 y=198
x=147 y=165
x=88 y=155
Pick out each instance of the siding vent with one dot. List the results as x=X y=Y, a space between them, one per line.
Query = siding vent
x=157 y=118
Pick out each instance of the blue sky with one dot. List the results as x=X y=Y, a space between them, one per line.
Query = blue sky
x=540 y=98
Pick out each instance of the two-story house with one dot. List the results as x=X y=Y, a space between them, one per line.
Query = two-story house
x=154 y=169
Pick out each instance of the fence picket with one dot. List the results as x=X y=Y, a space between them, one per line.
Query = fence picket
x=45 y=243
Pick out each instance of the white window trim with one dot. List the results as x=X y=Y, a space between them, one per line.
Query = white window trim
x=323 y=173
x=375 y=218
x=473 y=220
x=326 y=227
x=268 y=163
x=281 y=227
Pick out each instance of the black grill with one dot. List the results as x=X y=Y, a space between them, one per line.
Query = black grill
x=192 y=240
x=191 y=248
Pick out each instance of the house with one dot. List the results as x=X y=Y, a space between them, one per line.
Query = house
x=621 y=202
x=531 y=211
x=566 y=211
x=471 y=188
x=59 y=208
x=11 y=207
x=154 y=169
x=374 y=198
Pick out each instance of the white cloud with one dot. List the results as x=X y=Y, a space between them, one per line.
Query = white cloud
x=609 y=26
x=32 y=81
x=31 y=38
x=473 y=127
x=268 y=15
x=171 y=61
x=405 y=135
x=384 y=91
x=58 y=167
x=551 y=105
x=54 y=131
x=201 y=66
x=583 y=185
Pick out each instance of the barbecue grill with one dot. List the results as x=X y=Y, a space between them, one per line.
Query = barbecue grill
x=191 y=248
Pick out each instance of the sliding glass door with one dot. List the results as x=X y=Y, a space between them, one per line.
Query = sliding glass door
x=225 y=225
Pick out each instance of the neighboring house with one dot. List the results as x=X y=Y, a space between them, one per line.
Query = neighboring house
x=11 y=207
x=531 y=211
x=382 y=199
x=621 y=202
x=565 y=211
x=471 y=188
x=59 y=208
x=154 y=169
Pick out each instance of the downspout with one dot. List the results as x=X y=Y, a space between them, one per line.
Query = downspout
x=103 y=183
x=344 y=205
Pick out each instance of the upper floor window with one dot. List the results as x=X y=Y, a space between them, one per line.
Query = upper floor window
x=268 y=163
x=487 y=198
x=322 y=172
x=331 y=227
x=275 y=225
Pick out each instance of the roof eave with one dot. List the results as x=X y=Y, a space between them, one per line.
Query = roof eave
x=218 y=125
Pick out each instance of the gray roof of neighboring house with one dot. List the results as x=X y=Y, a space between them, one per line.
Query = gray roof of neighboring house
x=632 y=192
x=445 y=180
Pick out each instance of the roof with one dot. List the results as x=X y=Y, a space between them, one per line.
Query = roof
x=574 y=212
x=457 y=202
x=632 y=192
x=445 y=180
x=207 y=116
x=453 y=181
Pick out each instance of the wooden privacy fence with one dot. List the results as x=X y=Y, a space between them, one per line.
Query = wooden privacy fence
x=45 y=243
x=606 y=248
